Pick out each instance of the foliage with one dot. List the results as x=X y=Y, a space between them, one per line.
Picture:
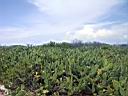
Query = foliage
x=63 y=70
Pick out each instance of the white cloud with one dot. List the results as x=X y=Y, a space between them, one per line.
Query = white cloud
x=117 y=33
x=34 y=33
x=75 y=10
x=13 y=33
x=56 y=18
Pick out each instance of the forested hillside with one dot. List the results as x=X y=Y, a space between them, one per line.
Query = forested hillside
x=64 y=70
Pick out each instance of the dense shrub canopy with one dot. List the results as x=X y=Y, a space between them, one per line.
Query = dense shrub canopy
x=56 y=70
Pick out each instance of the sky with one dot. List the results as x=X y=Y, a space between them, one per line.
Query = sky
x=41 y=21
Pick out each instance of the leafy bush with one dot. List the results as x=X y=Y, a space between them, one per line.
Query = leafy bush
x=64 y=71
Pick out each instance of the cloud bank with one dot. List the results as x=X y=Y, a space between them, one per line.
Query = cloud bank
x=115 y=33
x=65 y=20
x=69 y=10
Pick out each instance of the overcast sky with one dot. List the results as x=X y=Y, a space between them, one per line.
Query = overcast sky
x=39 y=21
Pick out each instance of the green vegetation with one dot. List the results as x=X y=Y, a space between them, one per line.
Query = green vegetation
x=64 y=70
